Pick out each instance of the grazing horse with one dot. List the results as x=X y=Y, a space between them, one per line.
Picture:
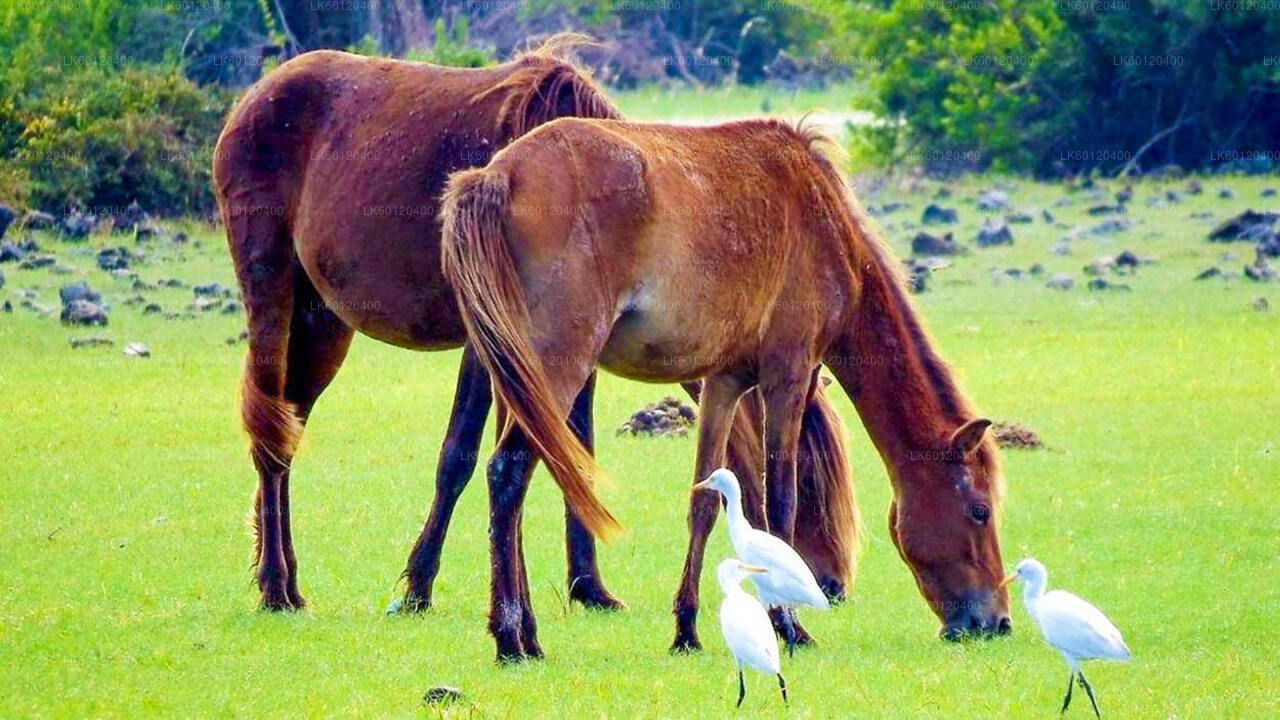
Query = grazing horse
x=328 y=175
x=733 y=253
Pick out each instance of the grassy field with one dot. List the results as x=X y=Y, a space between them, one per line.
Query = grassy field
x=126 y=546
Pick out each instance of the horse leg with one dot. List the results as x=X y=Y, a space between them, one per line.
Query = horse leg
x=719 y=397
x=318 y=343
x=585 y=585
x=529 y=624
x=784 y=400
x=458 y=454
x=267 y=269
x=509 y=472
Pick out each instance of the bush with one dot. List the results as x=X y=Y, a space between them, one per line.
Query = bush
x=98 y=139
x=1056 y=86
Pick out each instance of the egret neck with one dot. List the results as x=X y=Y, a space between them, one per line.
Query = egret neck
x=733 y=511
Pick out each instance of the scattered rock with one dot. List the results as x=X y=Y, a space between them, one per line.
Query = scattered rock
x=1101 y=266
x=10 y=252
x=135 y=300
x=7 y=307
x=91 y=341
x=936 y=214
x=1019 y=217
x=1061 y=281
x=211 y=290
x=1106 y=227
x=886 y=209
x=33 y=262
x=1248 y=225
x=1098 y=210
x=1194 y=187
x=918 y=271
x=1036 y=269
x=130 y=219
x=1173 y=196
x=204 y=304
x=1101 y=283
x=232 y=308
x=83 y=312
x=1211 y=272
x=993 y=201
x=137 y=349
x=116 y=258
x=7 y=216
x=1124 y=195
x=1128 y=260
x=1047 y=216
x=1268 y=192
x=1261 y=270
x=62 y=268
x=926 y=244
x=152 y=309
x=442 y=695
x=79 y=291
x=1226 y=193
x=994 y=232
x=667 y=418
x=36 y=220
x=141 y=285
x=1260 y=304
x=1016 y=435
x=36 y=307
x=1062 y=248
x=1 y=279
x=172 y=283
x=76 y=225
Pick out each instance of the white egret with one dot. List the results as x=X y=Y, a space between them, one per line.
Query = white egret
x=1071 y=625
x=789 y=581
x=746 y=627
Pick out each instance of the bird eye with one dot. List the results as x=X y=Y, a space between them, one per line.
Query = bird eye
x=980 y=513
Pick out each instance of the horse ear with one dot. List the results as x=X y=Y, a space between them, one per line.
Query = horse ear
x=967 y=438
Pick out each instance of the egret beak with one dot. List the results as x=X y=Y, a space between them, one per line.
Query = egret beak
x=1008 y=580
x=704 y=485
x=755 y=569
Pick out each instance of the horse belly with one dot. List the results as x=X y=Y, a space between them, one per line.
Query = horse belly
x=653 y=347
x=381 y=283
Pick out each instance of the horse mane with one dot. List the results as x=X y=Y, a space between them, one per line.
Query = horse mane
x=869 y=245
x=542 y=76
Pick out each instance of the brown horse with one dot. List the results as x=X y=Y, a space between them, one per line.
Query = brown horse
x=733 y=253
x=328 y=175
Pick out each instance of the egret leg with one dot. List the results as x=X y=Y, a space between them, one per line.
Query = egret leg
x=782 y=683
x=742 y=688
x=1071 y=682
x=1085 y=684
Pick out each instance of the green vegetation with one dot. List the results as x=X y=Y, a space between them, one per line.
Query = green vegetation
x=127 y=488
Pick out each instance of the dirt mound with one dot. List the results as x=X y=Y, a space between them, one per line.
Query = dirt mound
x=666 y=418
x=1016 y=435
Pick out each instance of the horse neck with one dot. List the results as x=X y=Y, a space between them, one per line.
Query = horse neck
x=903 y=393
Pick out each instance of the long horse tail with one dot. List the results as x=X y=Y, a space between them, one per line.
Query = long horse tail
x=826 y=478
x=477 y=261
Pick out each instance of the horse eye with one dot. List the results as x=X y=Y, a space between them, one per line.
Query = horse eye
x=981 y=513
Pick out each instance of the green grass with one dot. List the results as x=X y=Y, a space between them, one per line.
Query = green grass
x=126 y=548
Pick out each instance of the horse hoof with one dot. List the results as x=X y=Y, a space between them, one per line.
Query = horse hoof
x=507 y=658
x=686 y=646
x=602 y=601
x=277 y=603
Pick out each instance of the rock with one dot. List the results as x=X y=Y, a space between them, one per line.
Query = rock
x=442 y=695
x=36 y=220
x=91 y=341
x=1127 y=259
x=1261 y=270
x=1194 y=188
x=936 y=214
x=1015 y=435
x=1268 y=192
x=83 y=312
x=1047 y=216
x=7 y=307
x=135 y=300
x=152 y=309
x=885 y=209
x=1062 y=248
x=1173 y=196
x=1226 y=193
x=76 y=224
x=993 y=201
x=232 y=308
x=137 y=349
x=116 y=258
x=1101 y=266
x=1035 y=269
x=1260 y=304
x=1209 y=273
x=172 y=283
x=204 y=304
x=1061 y=281
x=64 y=269
x=994 y=232
x=1124 y=195
x=1019 y=217
x=943 y=192
x=1248 y=225
x=79 y=291
x=1101 y=283
x=211 y=290
x=33 y=262
x=141 y=285
x=666 y=418
x=7 y=216
x=1098 y=210
x=11 y=253
x=1106 y=227
x=926 y=244
x=180 y=238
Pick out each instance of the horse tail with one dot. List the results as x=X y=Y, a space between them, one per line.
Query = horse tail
x=477 y=261
x=827 y=480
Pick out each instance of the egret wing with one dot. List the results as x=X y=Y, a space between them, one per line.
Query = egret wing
x=789 y=580
x=749 y=633
x=1078 y=628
